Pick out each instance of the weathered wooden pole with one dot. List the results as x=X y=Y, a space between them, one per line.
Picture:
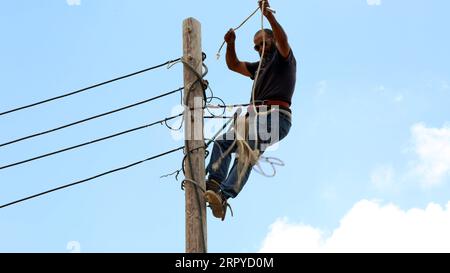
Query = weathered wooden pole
x=193 y=119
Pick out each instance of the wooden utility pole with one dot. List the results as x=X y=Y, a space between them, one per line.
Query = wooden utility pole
x=194 y=142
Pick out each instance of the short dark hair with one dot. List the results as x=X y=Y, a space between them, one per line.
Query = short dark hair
x=269 y=32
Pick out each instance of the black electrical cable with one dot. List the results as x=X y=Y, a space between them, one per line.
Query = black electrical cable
x=88 y=119
x=86 y=88
x=90 y=178
x=88 y=143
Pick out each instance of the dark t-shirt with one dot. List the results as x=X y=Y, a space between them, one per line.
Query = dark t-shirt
x=276 y=80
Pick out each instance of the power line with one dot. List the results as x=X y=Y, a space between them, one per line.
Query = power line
x=236 y=28
x=217 y=117
x=90 y=178
x=229 y=105
x=87 y=88
x=89 y=142
x=90 y=118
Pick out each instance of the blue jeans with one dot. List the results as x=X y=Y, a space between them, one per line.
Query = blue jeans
x=229 y=181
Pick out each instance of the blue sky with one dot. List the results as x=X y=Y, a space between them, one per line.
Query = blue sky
x=370 y=132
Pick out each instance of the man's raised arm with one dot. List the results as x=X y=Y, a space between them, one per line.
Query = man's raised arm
x=233 y=62
x=281 y=38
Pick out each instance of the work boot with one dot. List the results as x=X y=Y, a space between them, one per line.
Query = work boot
x=212 y=185
x=217 y=203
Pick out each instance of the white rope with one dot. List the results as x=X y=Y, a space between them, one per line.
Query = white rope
x=236 y=28
x=273 y=161
x=246 y=155
x=195 y=183
x=254 y=154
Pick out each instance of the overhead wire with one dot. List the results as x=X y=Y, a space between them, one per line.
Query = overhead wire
x=90 y=178
x=236 y=28
x=170 y=63
x=210 y=140
x=88 y=143
x=87 y=88
x=90 y=118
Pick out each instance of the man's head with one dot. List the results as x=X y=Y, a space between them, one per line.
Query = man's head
x=266 y=34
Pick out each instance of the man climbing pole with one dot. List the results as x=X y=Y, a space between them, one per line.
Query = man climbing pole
x=274 y=84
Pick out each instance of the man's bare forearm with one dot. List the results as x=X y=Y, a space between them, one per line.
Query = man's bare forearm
x=231 y=57
x=232 y=60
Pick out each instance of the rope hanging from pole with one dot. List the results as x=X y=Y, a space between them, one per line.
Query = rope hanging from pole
x=241 y=24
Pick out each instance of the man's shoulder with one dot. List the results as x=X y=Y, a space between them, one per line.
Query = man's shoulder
x=289 y=59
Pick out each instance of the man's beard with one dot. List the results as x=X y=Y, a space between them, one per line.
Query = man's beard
x=269 y=53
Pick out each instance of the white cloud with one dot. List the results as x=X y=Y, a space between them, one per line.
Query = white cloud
x=399 y=98
x=389 y=94
x=432 y=146
x=285 y=237
x=73 y=2
x=368 y=227
x=382 y=177
x=373 y=2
